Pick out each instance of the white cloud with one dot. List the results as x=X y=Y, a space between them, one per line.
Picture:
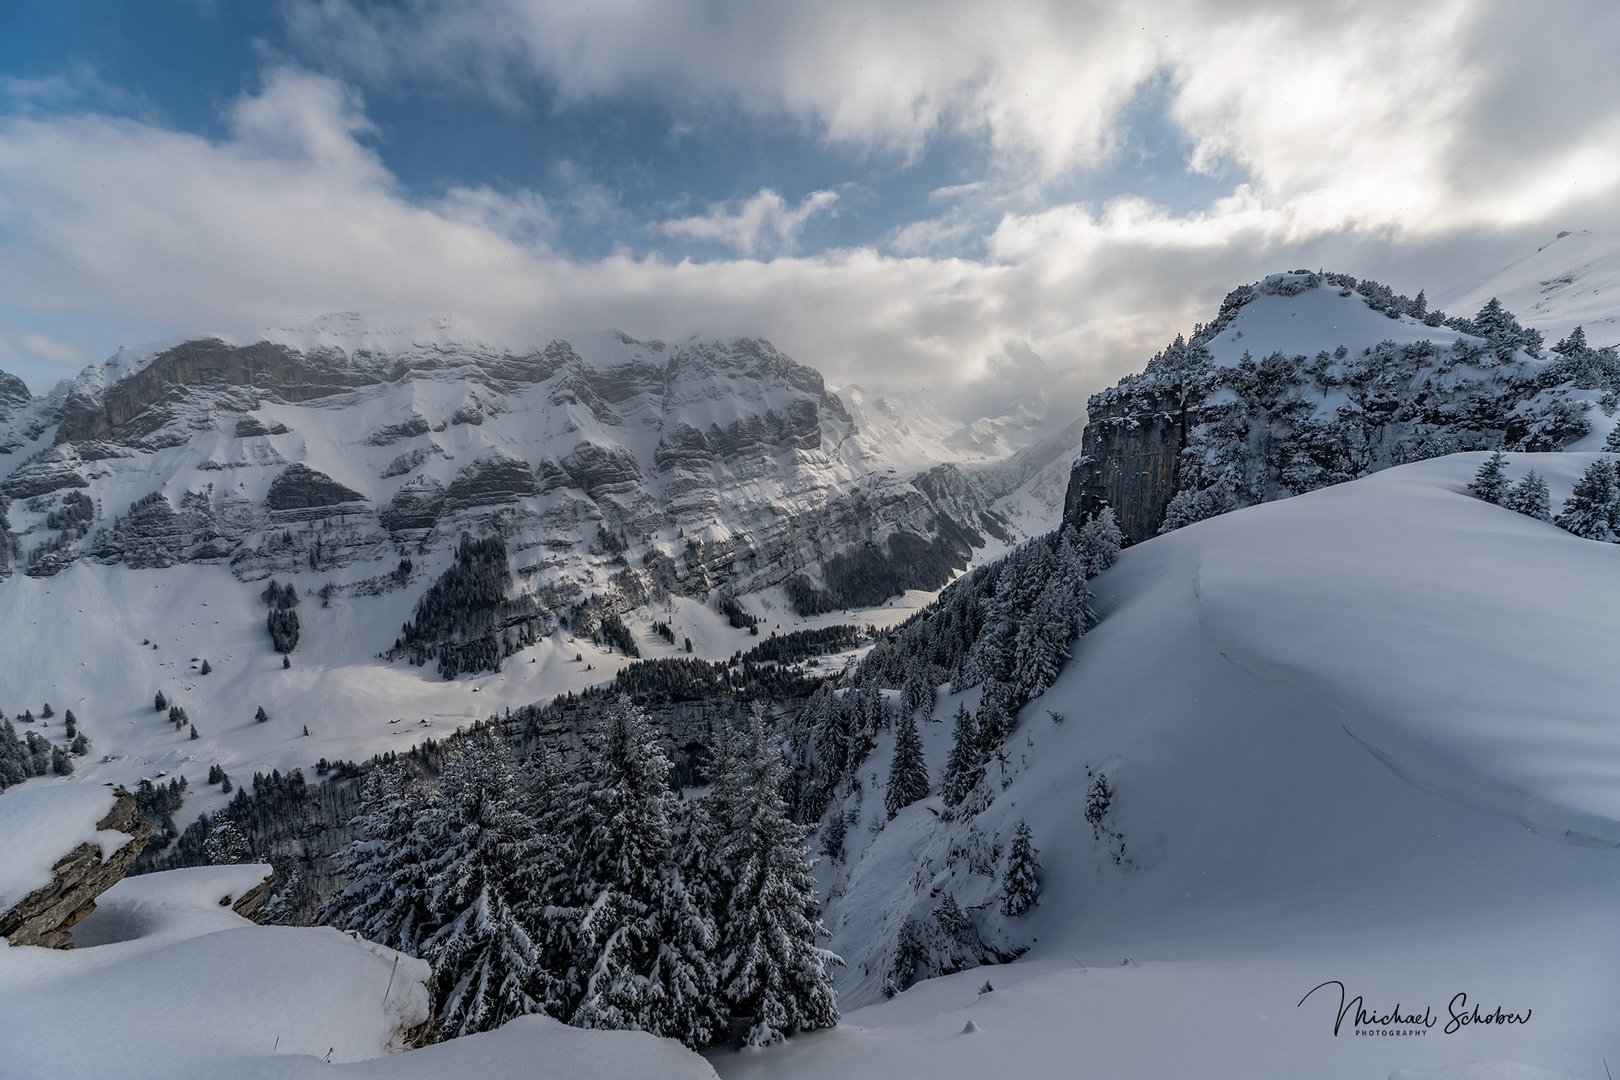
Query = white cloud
x=1368 y=114
x=290 y=213
x=761 y=224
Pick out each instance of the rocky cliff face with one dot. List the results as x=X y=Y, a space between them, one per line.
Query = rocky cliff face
x=46 y=917
x=1127 y=460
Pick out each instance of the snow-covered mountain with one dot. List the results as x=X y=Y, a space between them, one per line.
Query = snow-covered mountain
x=717 y=489
x=1572 y=280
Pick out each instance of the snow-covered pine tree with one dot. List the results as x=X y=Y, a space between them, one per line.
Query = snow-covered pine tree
x=387 y=865
x=1593 y=507
x=774 y=977
x=1611 y=441
x=646 y=942
x=1490 y=481
x=1020 y=885
x=488 y=857
x=994 y=719
x=1099 y=542
x=1530 y=498
x=908 y=772
x=964 y=767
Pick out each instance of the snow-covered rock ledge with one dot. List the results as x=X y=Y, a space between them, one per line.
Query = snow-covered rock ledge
x=62 y=846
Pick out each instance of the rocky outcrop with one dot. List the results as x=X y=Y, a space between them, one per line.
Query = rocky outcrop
x=14 y=395
x=490 y=481
x=417 y=505
x=303 y=488
x=393 y=433
x=1128 y=461
x=46 y=917
x=601 y=470
x=250 y=426
x=53 y=470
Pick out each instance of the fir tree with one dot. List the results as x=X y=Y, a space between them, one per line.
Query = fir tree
x=61 y=764
x=1020 y=886
x=206 y=667
x=487 y=859
x=261 y=716
x=47 y=712
x=1529 y=497
x=964 y=767
x=71 y=724
x=1592 y=509
x=1611 y=441
x=1099 y=542
x=646 y=941
x=774 y=977
x=193 y=734
x=908 y=772
x=1490 y=482
x=159 y=702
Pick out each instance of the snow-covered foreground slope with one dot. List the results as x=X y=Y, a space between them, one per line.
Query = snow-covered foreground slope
x=166 y=983
x=1364 y=735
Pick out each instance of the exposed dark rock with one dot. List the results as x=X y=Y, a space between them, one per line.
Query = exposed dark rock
x=14 y=395
x=417 y=505
x=393 y=433
x=601 y=469
x=46 y=917
x=490 y=481
x=52 y=470
x=1128 y=461
x=303 y=488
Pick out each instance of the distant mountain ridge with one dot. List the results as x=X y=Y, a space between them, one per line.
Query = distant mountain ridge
x=707 y=464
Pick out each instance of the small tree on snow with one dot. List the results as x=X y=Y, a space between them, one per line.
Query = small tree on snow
x=1020 y=883
x=1529 y=497
x=1594 y=505
x=1611 y=442
x=1490 y=482
x=207 y=667
x=1099 y=542
x=159 y=702
x=908 y=772
x=261 y=716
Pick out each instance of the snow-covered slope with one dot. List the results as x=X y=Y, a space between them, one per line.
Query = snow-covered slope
x=166 y=983
x=1572 y=280
x=1365 y=734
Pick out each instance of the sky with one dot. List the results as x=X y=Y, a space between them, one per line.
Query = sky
x=988 y=200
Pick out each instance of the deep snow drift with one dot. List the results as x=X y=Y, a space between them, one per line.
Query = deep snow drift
x=1364 y=735
x=167 y=984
